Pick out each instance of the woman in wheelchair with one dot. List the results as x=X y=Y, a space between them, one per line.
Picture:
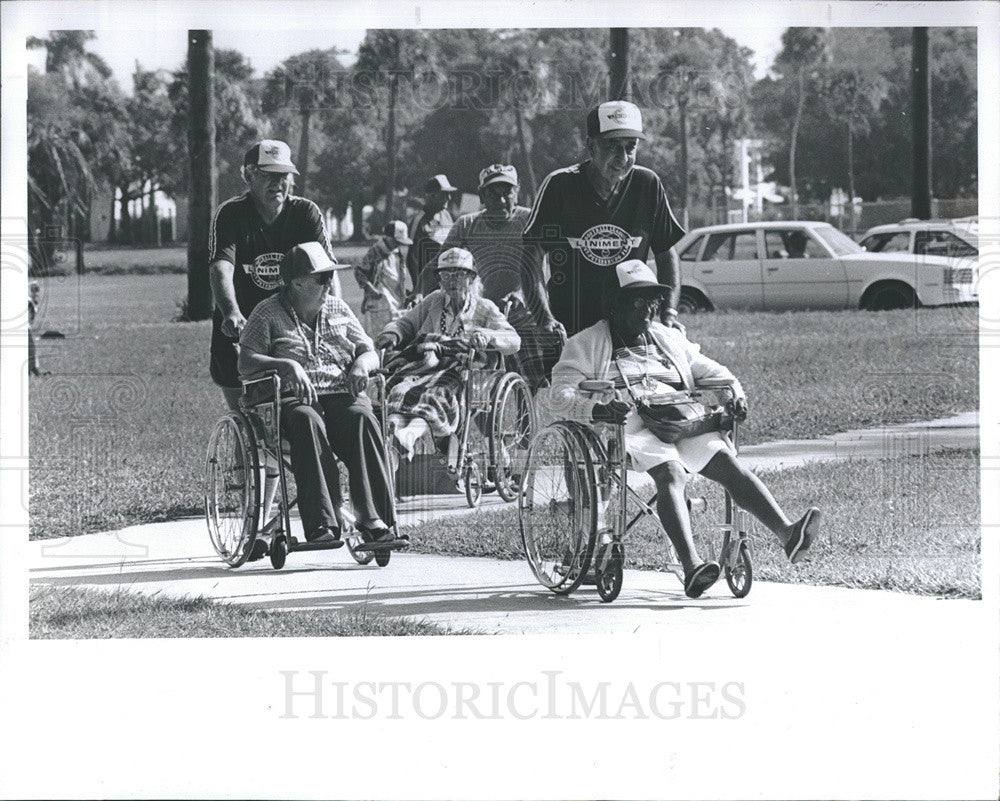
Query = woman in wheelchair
x=425 y=389
x=323 y=357
x=643 y=357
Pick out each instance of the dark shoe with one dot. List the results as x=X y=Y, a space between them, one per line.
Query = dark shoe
x=701 y=578
x=258 y=551
x=803 y=534
x=323 y=534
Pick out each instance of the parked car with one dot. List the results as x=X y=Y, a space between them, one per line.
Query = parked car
x=934 y=237
x=810 y=265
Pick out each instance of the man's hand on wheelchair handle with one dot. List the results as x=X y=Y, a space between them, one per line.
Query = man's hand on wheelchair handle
x=740 y=407
x=614 y=412
x=232 y=324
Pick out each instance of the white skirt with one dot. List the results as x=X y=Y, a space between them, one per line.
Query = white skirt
x=647 y=450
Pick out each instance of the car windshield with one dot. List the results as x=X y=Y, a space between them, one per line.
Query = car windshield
x=840 y=244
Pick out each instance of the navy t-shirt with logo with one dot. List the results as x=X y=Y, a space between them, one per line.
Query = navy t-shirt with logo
x=585 y=236
x=239 y=236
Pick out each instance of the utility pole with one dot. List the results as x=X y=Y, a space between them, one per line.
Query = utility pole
x=921 y=112
x=201 y=162
x=620 y=87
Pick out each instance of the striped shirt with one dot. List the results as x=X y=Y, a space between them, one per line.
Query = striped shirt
x=326 y=351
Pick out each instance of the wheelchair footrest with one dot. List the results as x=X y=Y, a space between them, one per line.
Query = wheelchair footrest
x=295 y=544
x=388 y=545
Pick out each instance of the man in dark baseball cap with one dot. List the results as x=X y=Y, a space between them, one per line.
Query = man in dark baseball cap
x=429 y=228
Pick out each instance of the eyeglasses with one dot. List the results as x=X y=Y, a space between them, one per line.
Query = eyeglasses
x=322 y=278
x=453 y=273
x=646 y=304
x=500 y=190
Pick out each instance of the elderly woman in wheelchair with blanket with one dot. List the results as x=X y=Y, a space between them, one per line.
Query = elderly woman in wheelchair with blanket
x=425 y=387
x=643 y=357
x=323 y=358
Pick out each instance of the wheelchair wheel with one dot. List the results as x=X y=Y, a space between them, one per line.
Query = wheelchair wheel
x=382 y=557
x=279 y=552
x=557 y=507
x=361 y=557
x=611 y=578
x=511 y=427
x=740 y=577
x=232 y=489
x=473 y=484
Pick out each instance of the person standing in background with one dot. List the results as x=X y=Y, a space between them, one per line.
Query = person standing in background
x=381 y=276
x=429 y=228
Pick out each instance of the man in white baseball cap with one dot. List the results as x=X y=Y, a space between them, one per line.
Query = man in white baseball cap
x=594 y=215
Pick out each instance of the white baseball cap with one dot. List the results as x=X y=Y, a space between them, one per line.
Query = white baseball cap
x=456 y=259
x=635 y=274
x=397 y=230
x=616 y=119
x=270 y=155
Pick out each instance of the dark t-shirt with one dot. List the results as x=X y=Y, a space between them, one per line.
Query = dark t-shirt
x=586 y=236
x=239 y=236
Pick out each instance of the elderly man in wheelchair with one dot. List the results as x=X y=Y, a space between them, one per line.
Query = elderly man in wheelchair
x=318 y=359
x=446 y=378
x=633 y=362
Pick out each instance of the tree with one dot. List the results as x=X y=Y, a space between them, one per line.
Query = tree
x=66 y=54
x=300 y=86
x=803 y=52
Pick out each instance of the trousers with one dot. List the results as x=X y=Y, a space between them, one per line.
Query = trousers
x=338 y=426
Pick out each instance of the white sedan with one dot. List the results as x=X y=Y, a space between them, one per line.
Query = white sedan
x=811 y=265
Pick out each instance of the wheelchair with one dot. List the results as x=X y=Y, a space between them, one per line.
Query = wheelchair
x=574 y=503
x=495 y=431
x=245 y=448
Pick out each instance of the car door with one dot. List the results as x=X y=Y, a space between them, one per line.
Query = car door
x=729 y=268
x=800 y=273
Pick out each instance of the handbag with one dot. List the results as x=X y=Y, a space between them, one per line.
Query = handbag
x=672 y=422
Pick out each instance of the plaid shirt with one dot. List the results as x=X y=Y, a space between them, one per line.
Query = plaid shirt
x=325 y=352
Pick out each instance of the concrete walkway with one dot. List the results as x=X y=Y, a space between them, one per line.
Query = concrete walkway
x=484 y=595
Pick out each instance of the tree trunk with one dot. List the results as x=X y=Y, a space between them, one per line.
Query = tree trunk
x=618 y=66
x=795 y=137
x=525 y=153
x=112 y=227
x=125 y=235
x=920 y=102
x=358 y=218
x=300 y=188
x=850 y=162
x=390 y=148
x=155 y=213
x=201 y=157
x=685 y=179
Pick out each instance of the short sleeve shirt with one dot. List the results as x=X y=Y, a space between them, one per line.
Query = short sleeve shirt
x=326 y=351
x=585 y=235
x=239 y=236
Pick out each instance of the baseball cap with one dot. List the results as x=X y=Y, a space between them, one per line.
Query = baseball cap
x=456 y=259
x=635 y=274
x=305 y=259
x=397 y=230
x=497 y=174
x=616 y=119
x=270 y=155
x=439 y=183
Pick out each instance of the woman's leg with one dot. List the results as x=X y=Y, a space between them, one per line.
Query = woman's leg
x=671 y=506
x=749 y=492
x=357 y=440
x=313 y=465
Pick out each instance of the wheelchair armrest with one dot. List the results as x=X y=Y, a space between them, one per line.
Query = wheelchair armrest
x=596 y=385
x=262 y=387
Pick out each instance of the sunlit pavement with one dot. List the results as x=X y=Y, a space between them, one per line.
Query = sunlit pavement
x=485 y=595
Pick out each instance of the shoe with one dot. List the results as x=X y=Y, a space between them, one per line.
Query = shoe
x=803 y=534
x=259 y=551
x=701 y=578
x=324 y=534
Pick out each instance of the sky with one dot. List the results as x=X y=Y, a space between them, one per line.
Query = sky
x=265 y=50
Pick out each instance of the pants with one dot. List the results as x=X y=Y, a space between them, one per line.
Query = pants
x=345 y=426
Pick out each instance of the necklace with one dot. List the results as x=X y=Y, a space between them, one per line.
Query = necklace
x=460 y=327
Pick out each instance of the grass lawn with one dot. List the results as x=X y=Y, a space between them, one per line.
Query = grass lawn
x=102 y=259
x=909 y=524
x=72 y=613
x=119 y=427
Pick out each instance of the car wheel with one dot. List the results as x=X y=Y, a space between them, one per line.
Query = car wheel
x=691 y=302
x=886 y=297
